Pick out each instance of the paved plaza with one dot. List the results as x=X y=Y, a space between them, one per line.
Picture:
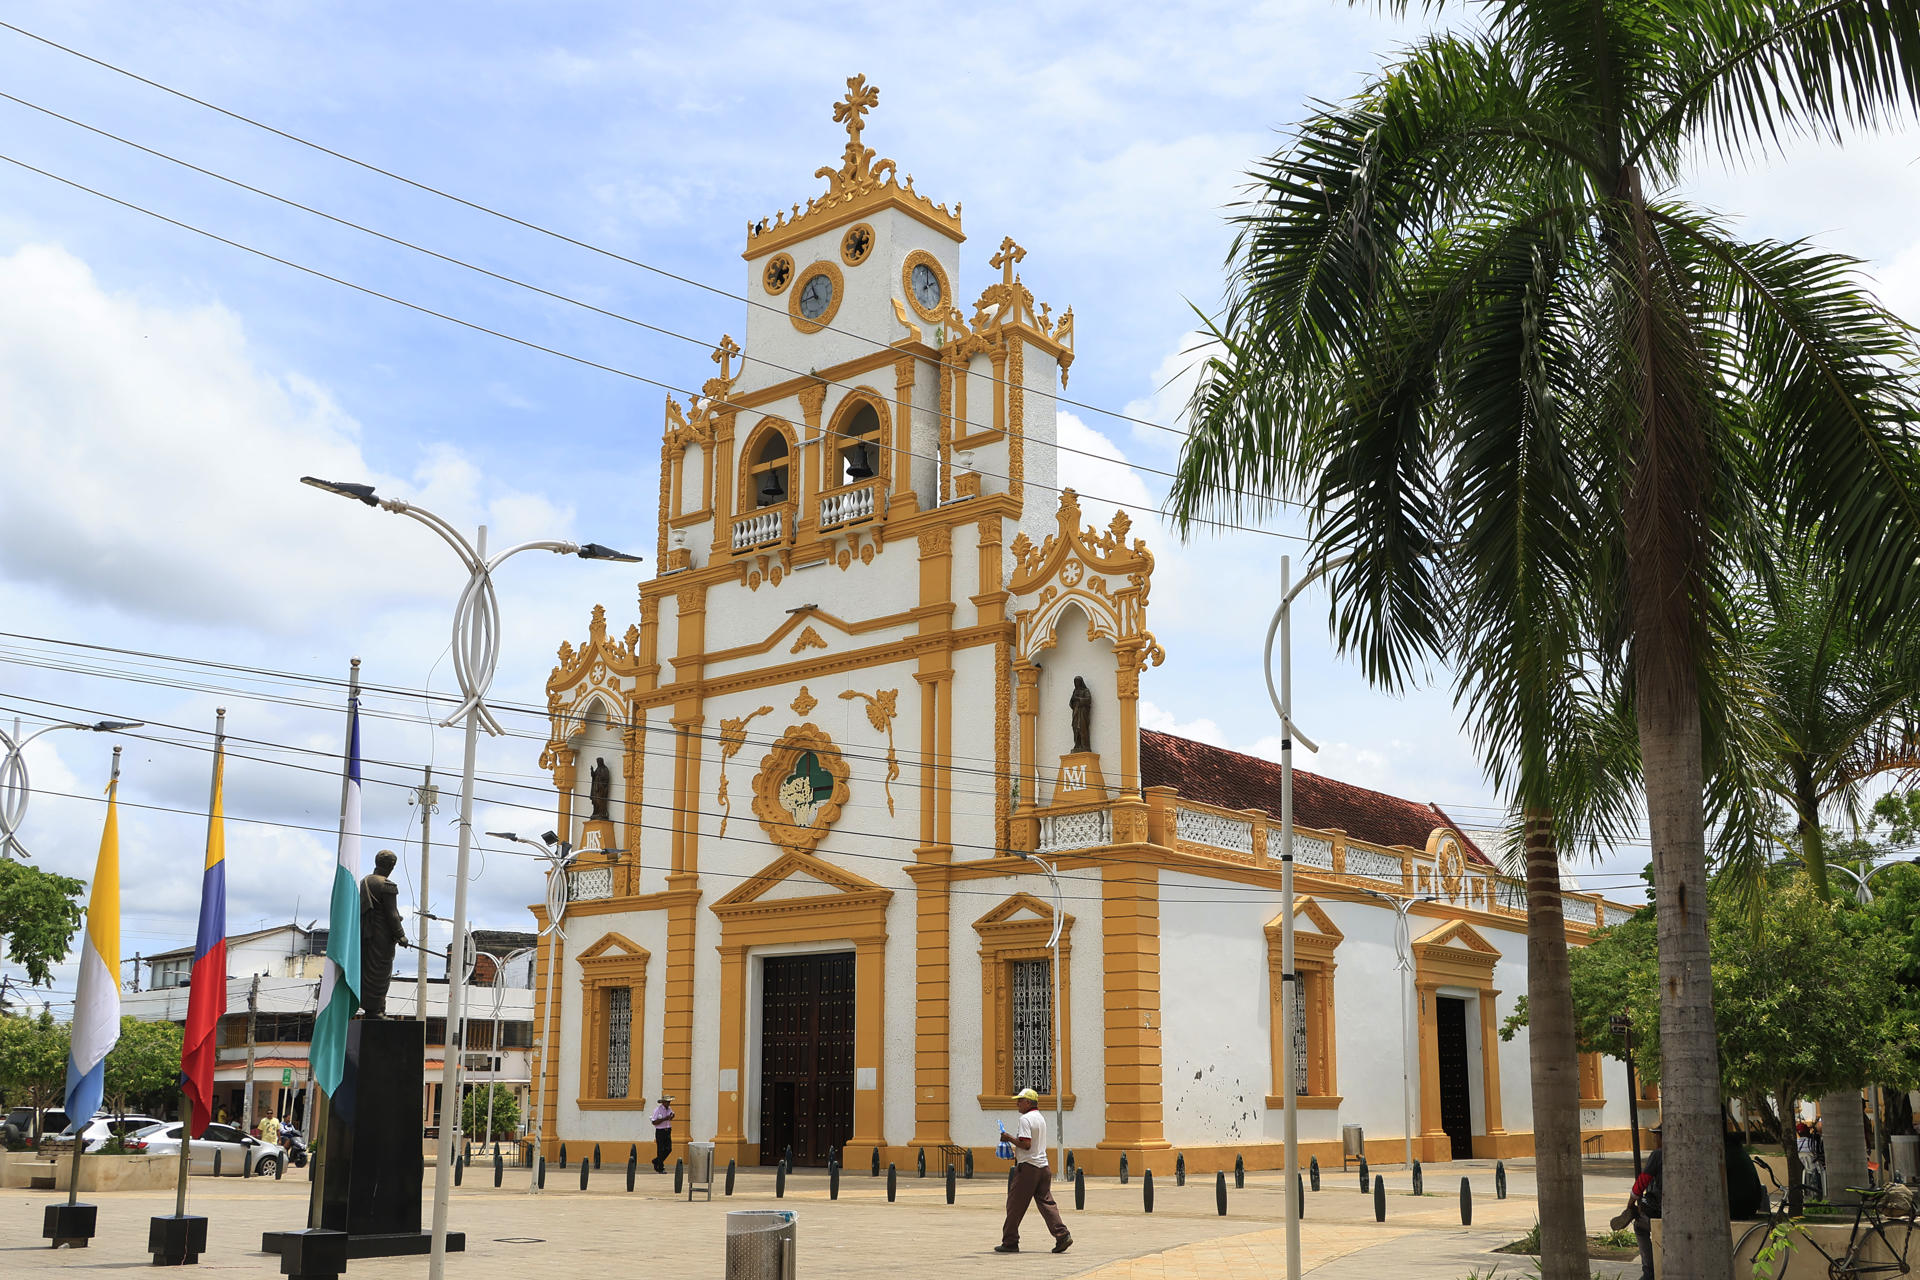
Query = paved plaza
x=607 y=1231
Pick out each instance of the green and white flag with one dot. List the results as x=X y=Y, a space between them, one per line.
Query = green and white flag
x=340 y=980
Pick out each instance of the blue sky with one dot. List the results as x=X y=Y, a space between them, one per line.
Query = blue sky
x=161 y=392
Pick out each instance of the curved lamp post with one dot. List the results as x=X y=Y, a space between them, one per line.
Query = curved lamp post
x=1403 y=961
x=1059 y=1081
x=1283 y=703
x=476 y=652
x=15 y=784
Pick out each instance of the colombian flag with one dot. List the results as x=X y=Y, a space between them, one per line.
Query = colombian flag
x=207 y=1001
x=96 y=1005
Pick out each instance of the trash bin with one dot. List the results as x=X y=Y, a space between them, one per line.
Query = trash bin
x=1353 y=1144
x=700 y=1168
x=1906 y=1156
x=761 y=1244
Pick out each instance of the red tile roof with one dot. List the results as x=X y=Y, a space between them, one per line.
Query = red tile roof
x=1233 y=780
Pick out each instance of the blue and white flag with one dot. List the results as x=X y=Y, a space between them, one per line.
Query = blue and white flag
x=340 y=980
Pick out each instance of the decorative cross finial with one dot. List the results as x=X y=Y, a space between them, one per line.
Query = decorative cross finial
x=861 y=98
x=723 y=356
x=1010 y=253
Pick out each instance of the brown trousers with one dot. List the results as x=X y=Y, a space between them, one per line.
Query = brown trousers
x=1032 y=1183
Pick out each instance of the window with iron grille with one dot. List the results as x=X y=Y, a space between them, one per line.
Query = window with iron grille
x=1300 y=1038
x=1032 y=1025
x=619 y=1039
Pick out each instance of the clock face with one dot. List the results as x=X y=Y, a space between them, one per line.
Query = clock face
x=816 y=295
x=926 y=286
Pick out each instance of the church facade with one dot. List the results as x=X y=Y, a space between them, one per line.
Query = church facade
x=884 y=660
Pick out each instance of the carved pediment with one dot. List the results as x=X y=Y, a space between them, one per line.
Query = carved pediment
x=1313 y=928
x=800 y=880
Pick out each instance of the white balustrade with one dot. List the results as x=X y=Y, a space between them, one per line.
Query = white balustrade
x=1310 y=850
x=591 y=884
x=1579 y=909
x=1197 y=826
x=847 y=505
x=761 y=527
x=1064 y=832
x=1372 y=864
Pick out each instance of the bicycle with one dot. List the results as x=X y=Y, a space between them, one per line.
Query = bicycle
x=1885 y=1215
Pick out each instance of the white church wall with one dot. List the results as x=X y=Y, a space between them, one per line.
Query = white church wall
x=1215 y=1049
x=1366 y=1022
x=1039 y=460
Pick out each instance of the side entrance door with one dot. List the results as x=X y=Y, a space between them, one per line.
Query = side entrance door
x=1456 y=1099
x=806 y=1056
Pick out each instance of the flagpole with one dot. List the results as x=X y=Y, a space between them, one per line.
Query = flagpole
x=319 y=1113
x=80 y=1136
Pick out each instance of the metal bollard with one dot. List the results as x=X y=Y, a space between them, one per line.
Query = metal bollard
x=459 y=1168
x=1499 y=1180
x=779 y=1182
x=499 y=1165
x=563 y=1155
x=596 y=1157
x=876 y=1163
x=1466 y=1203
x=541 y=1181
x=279 y=1167
x=584 y=1169
x=949 y=1184
x=1313 y=1172
x=833 y=1182
x=633 y=1167
x=1123 y=1168
x=633 y=1153
x=1070 y=1164
x=1220 y=1191
x=1365 y=1182
x=968 y=1168
x=1300 y=1197
x=679 y=1175
x=216 y=1162
x=923 y=1162
x=246 y=1164
x=891 y=1183
x=729 y=1177
x=1180 y=1170
x=787 y=1158
x=1079 y=1188
x=1239 y=1172
x=1419 y=1183
x=1379 y=1198
x=1146 y=1190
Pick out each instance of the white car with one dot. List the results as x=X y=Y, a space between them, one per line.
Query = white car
x=236 y=1149
x=102 y=1127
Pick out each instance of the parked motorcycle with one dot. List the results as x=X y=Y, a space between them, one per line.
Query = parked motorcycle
x=295 y=1146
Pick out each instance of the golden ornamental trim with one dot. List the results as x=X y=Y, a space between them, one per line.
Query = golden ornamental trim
x=882 y=707
x=1080 y=566
x=794 y=822
x=733 y=736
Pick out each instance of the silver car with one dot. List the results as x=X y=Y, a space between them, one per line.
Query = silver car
x=236 y=1149
x=101 y=1128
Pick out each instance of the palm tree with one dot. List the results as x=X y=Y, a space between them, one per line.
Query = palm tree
x=1832 y=710
x=1723 y=379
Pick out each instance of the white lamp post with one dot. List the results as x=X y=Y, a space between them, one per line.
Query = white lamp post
x=1403 y=963
x=1283 y=703
x=476 y=651
x=16 y=786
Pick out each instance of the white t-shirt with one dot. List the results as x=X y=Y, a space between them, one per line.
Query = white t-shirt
x=1032 y=1126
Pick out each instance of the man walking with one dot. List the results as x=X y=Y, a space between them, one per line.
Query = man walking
x=1032 y=1180
x=662 y=1132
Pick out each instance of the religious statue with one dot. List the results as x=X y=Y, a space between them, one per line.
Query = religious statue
x=381 y=930
x=1080 y=703
x=600 y=790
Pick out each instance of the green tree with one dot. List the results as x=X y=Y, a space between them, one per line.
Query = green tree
x=144 y=1062
x=33 y=1060
x=506 y=1113
x=1483 y=243
x=39 y=912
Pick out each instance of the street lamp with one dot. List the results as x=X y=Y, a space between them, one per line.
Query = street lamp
x=476 y=652
x=499 y=992
x=15 y=785
x=1283 y=703
x=1059 y=1025
x=1403 y=962
x=1862 y=894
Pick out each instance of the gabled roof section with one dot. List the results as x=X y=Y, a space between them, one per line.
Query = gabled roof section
x=1458 y=934
x=1235 y=780
x=816 y=877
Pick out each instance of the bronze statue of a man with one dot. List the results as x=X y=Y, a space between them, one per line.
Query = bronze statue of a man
x=1080 y=703
x=600 y=790
x=381 y=930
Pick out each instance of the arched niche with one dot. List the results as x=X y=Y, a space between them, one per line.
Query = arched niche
x=599 y=734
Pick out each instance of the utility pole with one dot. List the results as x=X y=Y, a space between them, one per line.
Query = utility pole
x=136 y=971
x=427 y=796
x=253 y=1019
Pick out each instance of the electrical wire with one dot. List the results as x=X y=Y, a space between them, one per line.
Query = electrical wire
x=530 y=344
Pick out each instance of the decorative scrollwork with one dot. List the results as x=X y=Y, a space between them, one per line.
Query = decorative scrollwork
x=733 y=736
x=882 y=706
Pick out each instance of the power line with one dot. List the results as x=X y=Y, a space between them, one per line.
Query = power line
x=492 y=212
x=531 y=345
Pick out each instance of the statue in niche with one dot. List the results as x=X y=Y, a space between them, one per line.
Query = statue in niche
x=381 y=930
x=1080 y=703
x=600 y=790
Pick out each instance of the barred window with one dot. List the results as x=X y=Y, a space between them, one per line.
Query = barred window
x=1300 y=1038
x=1032 y=1025
x=619 y=1039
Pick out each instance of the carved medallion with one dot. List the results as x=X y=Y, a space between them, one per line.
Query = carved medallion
x=801 y=786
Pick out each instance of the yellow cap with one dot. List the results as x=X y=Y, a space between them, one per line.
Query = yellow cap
x=1029 y=1095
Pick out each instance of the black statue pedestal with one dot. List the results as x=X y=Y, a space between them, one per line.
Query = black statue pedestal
x=370 y=1173
x=176 y=1241
x=70 y=1224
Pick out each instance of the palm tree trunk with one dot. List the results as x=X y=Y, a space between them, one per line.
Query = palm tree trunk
x=1552 y=1053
